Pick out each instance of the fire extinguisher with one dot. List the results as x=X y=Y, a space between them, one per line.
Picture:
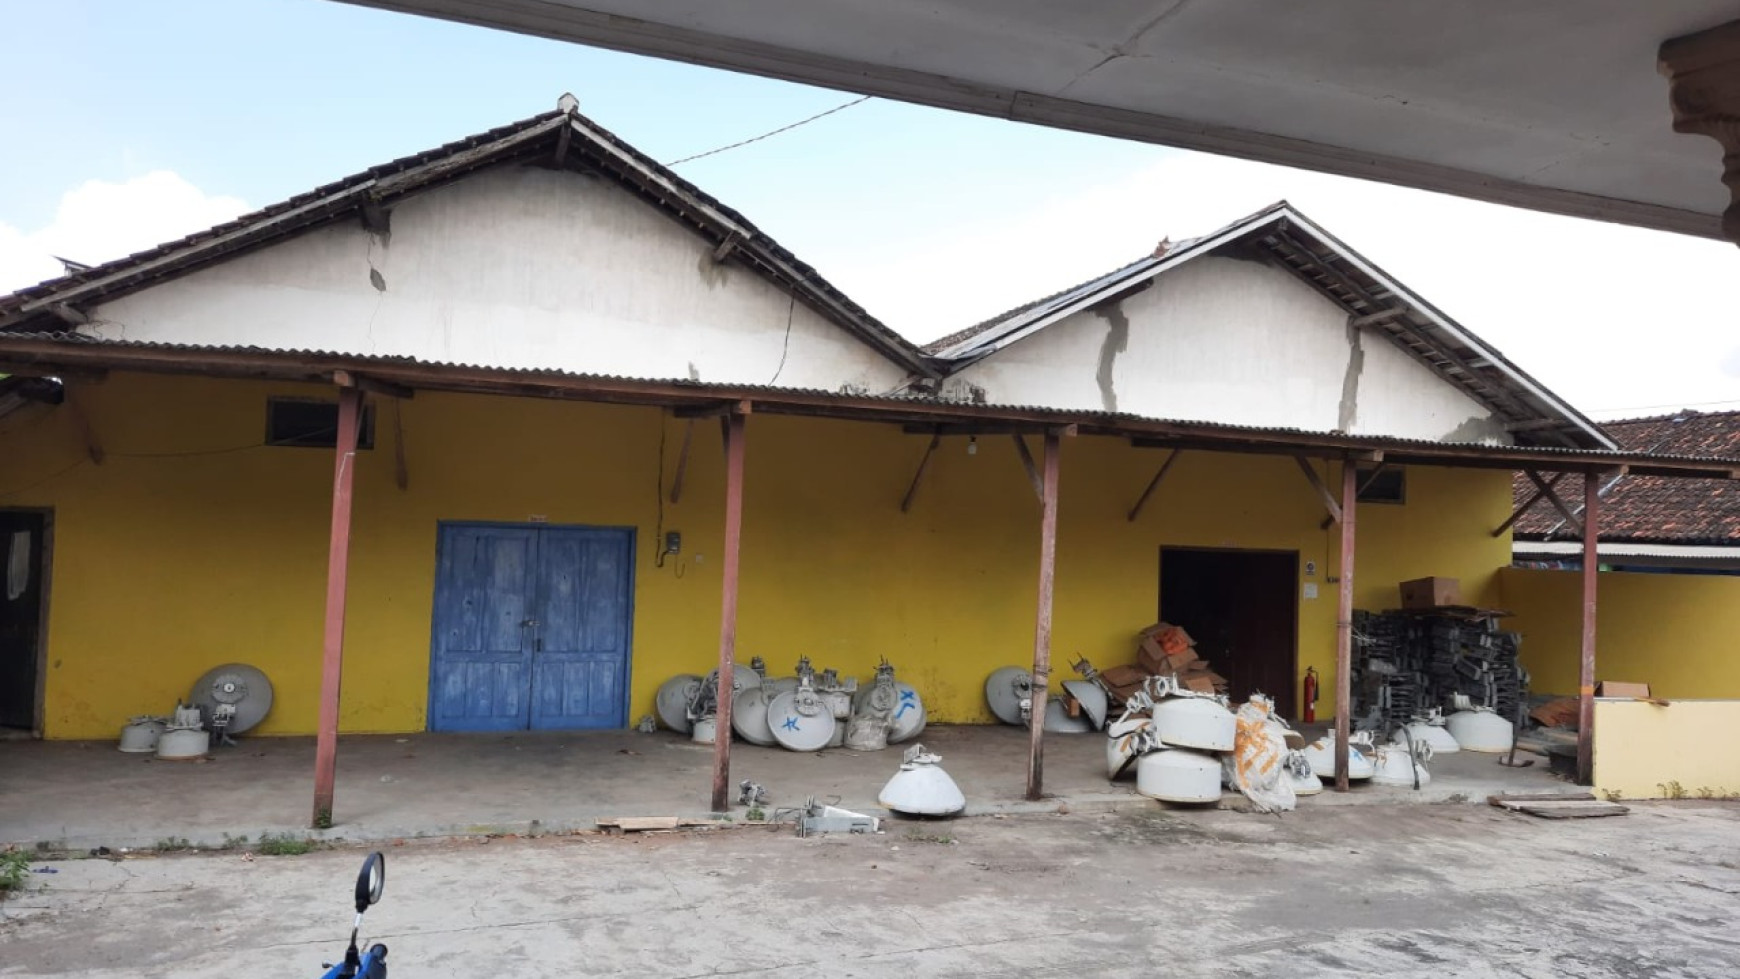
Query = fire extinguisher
x=1310 y=695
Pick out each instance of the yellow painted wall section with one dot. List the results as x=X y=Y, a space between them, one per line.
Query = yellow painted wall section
x=1647 y=752
x=193 y=545
x=1678 y=633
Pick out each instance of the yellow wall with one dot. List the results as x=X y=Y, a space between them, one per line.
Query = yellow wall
x=187 y=548
x=1678 y=633
x=1642 y=751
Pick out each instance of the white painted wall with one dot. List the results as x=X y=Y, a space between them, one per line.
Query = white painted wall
x=1231 y=341
x=514 y=267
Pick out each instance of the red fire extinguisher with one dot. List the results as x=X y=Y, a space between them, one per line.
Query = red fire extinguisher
x=1310 y=695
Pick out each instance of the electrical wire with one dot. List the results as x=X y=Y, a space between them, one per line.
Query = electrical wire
x=783 y=129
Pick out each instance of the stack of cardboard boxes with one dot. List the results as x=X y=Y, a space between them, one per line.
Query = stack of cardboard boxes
x=1164 y=649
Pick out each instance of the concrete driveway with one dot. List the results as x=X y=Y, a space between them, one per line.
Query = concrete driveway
x=1445 y=890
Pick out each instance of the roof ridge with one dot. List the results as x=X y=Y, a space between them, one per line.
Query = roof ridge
x=1684 y=413
x=625 y=164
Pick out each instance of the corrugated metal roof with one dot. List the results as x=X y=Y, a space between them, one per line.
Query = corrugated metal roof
x=537 y=136
x=18 y=348
x=1606 y=549
x=1287 y=238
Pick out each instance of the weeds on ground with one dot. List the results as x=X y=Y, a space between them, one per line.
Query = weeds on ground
x=172 y=844
x=283 y=845
x=916 y=837
x=1613 y=795
x=756 y=814
x=1671 y=790
x=14 y=870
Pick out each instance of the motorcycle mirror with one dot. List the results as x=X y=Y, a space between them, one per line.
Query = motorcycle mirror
x=371 y=881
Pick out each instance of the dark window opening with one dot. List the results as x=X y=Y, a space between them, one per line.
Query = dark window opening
x=314 y=424
x=1386 y=484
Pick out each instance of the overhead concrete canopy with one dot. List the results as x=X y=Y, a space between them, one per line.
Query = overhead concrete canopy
x=1555 y=105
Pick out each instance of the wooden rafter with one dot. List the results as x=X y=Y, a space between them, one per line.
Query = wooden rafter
x=1154 y=484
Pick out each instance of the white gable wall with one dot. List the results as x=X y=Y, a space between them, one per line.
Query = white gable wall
x=514 y=267
x=1230 y=341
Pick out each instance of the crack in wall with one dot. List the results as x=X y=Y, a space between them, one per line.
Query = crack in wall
x=1116 y=342
x=1347 y=413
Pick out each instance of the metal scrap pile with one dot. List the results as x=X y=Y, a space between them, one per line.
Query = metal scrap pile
x=1407 y=663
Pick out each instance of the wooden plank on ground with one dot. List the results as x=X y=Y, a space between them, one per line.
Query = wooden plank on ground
x=1566 y=796
x=1557 y=805
x=1568 y=810
x=639 y=824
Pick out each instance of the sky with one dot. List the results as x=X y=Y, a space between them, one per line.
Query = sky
x=129 y=124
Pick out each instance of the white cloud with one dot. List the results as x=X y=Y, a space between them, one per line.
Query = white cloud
x=1609 y=317
x=100 y=220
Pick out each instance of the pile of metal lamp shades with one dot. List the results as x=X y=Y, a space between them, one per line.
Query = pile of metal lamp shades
x=807 y=711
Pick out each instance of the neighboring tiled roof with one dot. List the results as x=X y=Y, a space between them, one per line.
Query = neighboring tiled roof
x=1280 y=234
x=564 y=132
x=1650 y=508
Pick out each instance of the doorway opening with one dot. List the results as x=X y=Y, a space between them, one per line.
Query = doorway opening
x=25 y=547
x=1240 y=608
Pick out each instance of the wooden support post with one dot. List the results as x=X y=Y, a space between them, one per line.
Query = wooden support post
x=1027 y=464
x=1537 y=496
x=917 y=477
x=682 y=460
x=1042 y=627
x=1586 y=666
x=734 y=446
x=337 y=577
x=1154 y=484
x=1344 y=624
x=1553 y=498
x=1317 y=484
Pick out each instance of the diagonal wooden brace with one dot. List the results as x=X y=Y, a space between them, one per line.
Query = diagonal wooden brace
x=1554 y=499
x=1328 y=498
x=1527 y=505
x=918 y=477
x=1027 y=463
x=1154 y=484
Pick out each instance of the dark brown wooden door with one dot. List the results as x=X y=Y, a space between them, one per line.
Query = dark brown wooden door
x=1240 y=609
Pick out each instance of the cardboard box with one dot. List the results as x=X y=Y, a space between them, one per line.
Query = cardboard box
x=1151 y=658
x=1431 y=592
x=1615 y=688
x=1181 y=660
x=1201 y=682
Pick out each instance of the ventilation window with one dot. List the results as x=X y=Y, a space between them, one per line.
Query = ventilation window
x=313 y=424
x=1385 y=484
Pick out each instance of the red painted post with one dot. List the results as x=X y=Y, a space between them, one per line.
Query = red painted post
x=1344 y=623
x=1042 y=629
x=1586 y=669
x=734 y=446
x=337 y=576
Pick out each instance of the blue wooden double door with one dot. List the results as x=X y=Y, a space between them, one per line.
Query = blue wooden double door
x=531 y=627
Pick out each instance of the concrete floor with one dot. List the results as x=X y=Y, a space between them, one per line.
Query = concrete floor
x=1443 y=890
x=85 y=794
